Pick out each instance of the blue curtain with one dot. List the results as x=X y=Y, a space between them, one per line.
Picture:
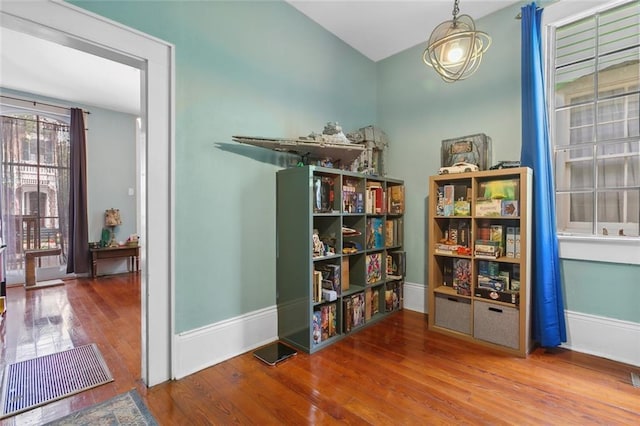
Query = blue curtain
x=549 y=327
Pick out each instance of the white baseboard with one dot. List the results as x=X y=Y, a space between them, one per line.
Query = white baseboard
x=604 y=337
x=595 y=335
x=198 y=349
x=415 y=297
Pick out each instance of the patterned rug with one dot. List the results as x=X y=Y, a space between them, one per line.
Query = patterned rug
x=125 y=409
x=38 y=381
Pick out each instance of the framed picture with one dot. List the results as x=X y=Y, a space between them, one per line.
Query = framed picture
x=475 y=149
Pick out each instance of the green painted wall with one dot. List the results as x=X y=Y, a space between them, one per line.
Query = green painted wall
x=242 y=68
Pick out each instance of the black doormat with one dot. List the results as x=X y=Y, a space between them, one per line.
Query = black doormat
x=34 y=382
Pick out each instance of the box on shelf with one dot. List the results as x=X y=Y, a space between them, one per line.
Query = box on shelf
x=500 y=296
x=448 y=200
x=509 y=208
x=344 y=281
x=510 y=242
x=499 y=189
x=395 y=199
x=498 y=283
x=329 y=295
x=488 y=208
x=487 y=249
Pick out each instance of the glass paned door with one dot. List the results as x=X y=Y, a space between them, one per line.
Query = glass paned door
x=35 y=188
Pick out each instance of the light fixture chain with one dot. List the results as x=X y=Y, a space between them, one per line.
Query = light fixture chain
x=456 y=10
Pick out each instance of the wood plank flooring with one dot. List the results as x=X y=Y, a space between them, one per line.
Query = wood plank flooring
x=393 y=373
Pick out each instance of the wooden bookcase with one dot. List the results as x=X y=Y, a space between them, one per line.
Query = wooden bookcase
x=474 y=293
x=359 y=221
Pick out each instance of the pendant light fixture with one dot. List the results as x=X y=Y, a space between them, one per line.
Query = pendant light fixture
x=455 y=48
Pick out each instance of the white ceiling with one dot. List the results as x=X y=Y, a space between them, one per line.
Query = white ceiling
x=378 y=29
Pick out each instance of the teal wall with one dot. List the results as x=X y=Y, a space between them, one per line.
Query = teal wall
x=263 y=69
x=417 y=110
x=603 y=289
x=242 y=68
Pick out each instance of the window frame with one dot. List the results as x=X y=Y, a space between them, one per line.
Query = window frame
x=612 y=249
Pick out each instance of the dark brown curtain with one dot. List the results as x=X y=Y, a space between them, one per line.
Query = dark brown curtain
x=78 y=260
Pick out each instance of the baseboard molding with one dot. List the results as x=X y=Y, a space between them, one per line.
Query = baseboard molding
x=415 y=297
x=198 y=349
x=604 y=337
x=595 y=335
x=207 y=346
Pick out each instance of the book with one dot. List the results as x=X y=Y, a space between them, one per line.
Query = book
x=395 y=264
x=324 y=321
x=375 y=233
x=516 y=249
x=484 y=231
x=347 y=314
x=373 y=265
x=322 y=194
x=350 y=196
x=331 y=277
x=375 y=198
x=395 y=199
x=333 y=330
x=393 y=296
x=344 y=279
x=317 y=327
x=448 y=200
x=497 y=235
x=447 y=272
x=368 y=294
x=440 y=201
x=510 y=242
x=462 y=276
x=317 y=286
x=375 y=302
x=453 y=232
x=358 y=308
x=463 y=233
x=389 y=236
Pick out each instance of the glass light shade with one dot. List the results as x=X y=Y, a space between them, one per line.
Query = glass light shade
x=455 y=48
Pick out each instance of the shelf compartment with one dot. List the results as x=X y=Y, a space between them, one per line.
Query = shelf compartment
x=496 y=324
x=453 y=312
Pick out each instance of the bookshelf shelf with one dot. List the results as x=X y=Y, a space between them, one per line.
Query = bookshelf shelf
x=341 y=231
x=482 y=295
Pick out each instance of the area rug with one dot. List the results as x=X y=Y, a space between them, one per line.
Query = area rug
x=125 y=409
x=35 y=382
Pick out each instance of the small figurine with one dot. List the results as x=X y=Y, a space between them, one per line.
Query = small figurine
x=318 y=246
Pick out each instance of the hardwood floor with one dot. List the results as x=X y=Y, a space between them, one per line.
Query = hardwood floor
x=395 y=372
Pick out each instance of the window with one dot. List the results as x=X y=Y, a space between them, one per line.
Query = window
x=35 y=171
x=594 y=122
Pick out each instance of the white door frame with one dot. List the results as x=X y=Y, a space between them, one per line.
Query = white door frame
x=69 y=25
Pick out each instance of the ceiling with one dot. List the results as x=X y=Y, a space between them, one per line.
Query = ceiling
x=377 y=29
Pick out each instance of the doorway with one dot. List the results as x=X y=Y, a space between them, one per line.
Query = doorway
x=74 y=27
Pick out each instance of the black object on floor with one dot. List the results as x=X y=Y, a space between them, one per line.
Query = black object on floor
x=274 y=353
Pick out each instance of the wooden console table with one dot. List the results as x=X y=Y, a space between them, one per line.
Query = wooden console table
x=131 y=252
